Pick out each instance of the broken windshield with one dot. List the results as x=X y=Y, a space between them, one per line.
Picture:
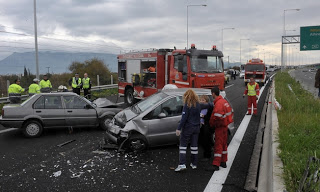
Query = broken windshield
x=206 y=64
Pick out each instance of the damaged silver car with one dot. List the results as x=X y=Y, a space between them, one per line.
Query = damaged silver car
x=151 y=122
x=52 y=110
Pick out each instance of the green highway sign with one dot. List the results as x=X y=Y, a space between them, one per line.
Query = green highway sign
x=309 y=38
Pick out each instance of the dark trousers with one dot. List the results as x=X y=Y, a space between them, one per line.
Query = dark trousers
x=206 y=140
x=15 y=99
x=76 y=90
x=319 y=92
x=189 y=134
x=86 y=93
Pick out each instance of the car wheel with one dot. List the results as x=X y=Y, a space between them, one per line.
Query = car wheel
x=128 y=97
x=137 y=143
x=105 y=122
x=32 y=129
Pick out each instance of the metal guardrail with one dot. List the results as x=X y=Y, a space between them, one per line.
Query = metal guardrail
x=95 y=88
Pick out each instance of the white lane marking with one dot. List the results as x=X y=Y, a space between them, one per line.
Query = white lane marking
x=120 y=103
x=7 y=130
x=229 y=86
x=219 y=177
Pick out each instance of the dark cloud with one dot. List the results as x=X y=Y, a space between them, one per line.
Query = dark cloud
x=135 y=24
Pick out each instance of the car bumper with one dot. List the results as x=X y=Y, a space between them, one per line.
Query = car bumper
x=11 y=123
x=114 y=135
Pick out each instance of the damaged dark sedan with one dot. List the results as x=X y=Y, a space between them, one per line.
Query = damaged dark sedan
x=62 y=109
x=151 y=122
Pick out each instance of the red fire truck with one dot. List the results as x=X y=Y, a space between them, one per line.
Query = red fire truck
x=257 y=69
x=144 y=73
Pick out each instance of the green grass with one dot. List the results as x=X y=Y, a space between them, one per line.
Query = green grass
x=299 y=129
x=105 y=92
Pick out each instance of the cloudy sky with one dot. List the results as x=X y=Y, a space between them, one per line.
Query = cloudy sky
x=122 y=25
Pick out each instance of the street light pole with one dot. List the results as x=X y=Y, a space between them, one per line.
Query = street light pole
x=222 y=37
x=36 y=38
x=240 y=49
x=188 y=21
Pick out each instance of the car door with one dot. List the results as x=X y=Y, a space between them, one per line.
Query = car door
x=77 y=112
x=162 y=130
x=50 y=110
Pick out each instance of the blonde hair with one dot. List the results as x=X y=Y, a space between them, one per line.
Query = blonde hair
x=190 y=98
x=204 y=97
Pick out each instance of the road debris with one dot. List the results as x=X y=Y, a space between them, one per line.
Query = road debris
x=101 y=152
x=57 y=174
x=65 y=143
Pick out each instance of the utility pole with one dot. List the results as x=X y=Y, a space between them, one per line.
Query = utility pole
x=48 y=69
x=36 y=38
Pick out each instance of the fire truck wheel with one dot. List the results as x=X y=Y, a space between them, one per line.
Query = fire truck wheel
x=128 y=97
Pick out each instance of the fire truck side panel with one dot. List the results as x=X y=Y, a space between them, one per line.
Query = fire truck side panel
x=160 y=71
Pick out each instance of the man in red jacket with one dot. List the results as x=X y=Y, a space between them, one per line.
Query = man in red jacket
x=253 y=91
x=220 y=117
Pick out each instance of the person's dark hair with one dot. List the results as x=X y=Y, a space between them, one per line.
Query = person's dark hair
x=16 y=80
x=215 y=90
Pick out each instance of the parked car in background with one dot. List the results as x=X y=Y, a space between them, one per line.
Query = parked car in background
x=153 y=121
x=242 y=74
x=312 y=70
x=62 y=109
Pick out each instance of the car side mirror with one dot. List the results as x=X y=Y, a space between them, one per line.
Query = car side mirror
x=162 y=115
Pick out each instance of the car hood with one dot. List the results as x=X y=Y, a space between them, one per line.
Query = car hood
x=104 y=103
x=124 y=116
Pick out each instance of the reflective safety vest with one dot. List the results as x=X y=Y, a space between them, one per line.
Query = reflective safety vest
x=34 y=88
x=74 y=83
x=45 y=84
x=252 y=89
x=86 y=83
x=15 y=90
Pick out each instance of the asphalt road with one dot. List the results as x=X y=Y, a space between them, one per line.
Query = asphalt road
x=306 y=79
x=40 y=165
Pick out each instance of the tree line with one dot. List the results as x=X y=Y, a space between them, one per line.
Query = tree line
x=93 y=67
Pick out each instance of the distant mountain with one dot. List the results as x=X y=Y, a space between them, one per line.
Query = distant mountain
x=230 y=65
x=57 y=61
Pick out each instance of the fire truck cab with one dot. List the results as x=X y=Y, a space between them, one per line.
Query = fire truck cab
x=257 y=69
x=144 y=73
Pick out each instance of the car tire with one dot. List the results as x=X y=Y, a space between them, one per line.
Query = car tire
x=104 y=121
x=137 y=143
x=128 y=97
x=32 y=129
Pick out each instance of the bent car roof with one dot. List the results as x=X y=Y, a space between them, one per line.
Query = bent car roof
x=181 y=91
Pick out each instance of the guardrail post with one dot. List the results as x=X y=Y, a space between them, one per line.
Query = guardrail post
x=111 y=80
x=8 y=84
x=98 y=82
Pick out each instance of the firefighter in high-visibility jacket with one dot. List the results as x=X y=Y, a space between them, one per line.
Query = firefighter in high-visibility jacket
x=221 y=117
x=34 y=88
x=45 y=85
x=86 y=86
x=76 y=83
x=253 y=91
x=15 y=91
